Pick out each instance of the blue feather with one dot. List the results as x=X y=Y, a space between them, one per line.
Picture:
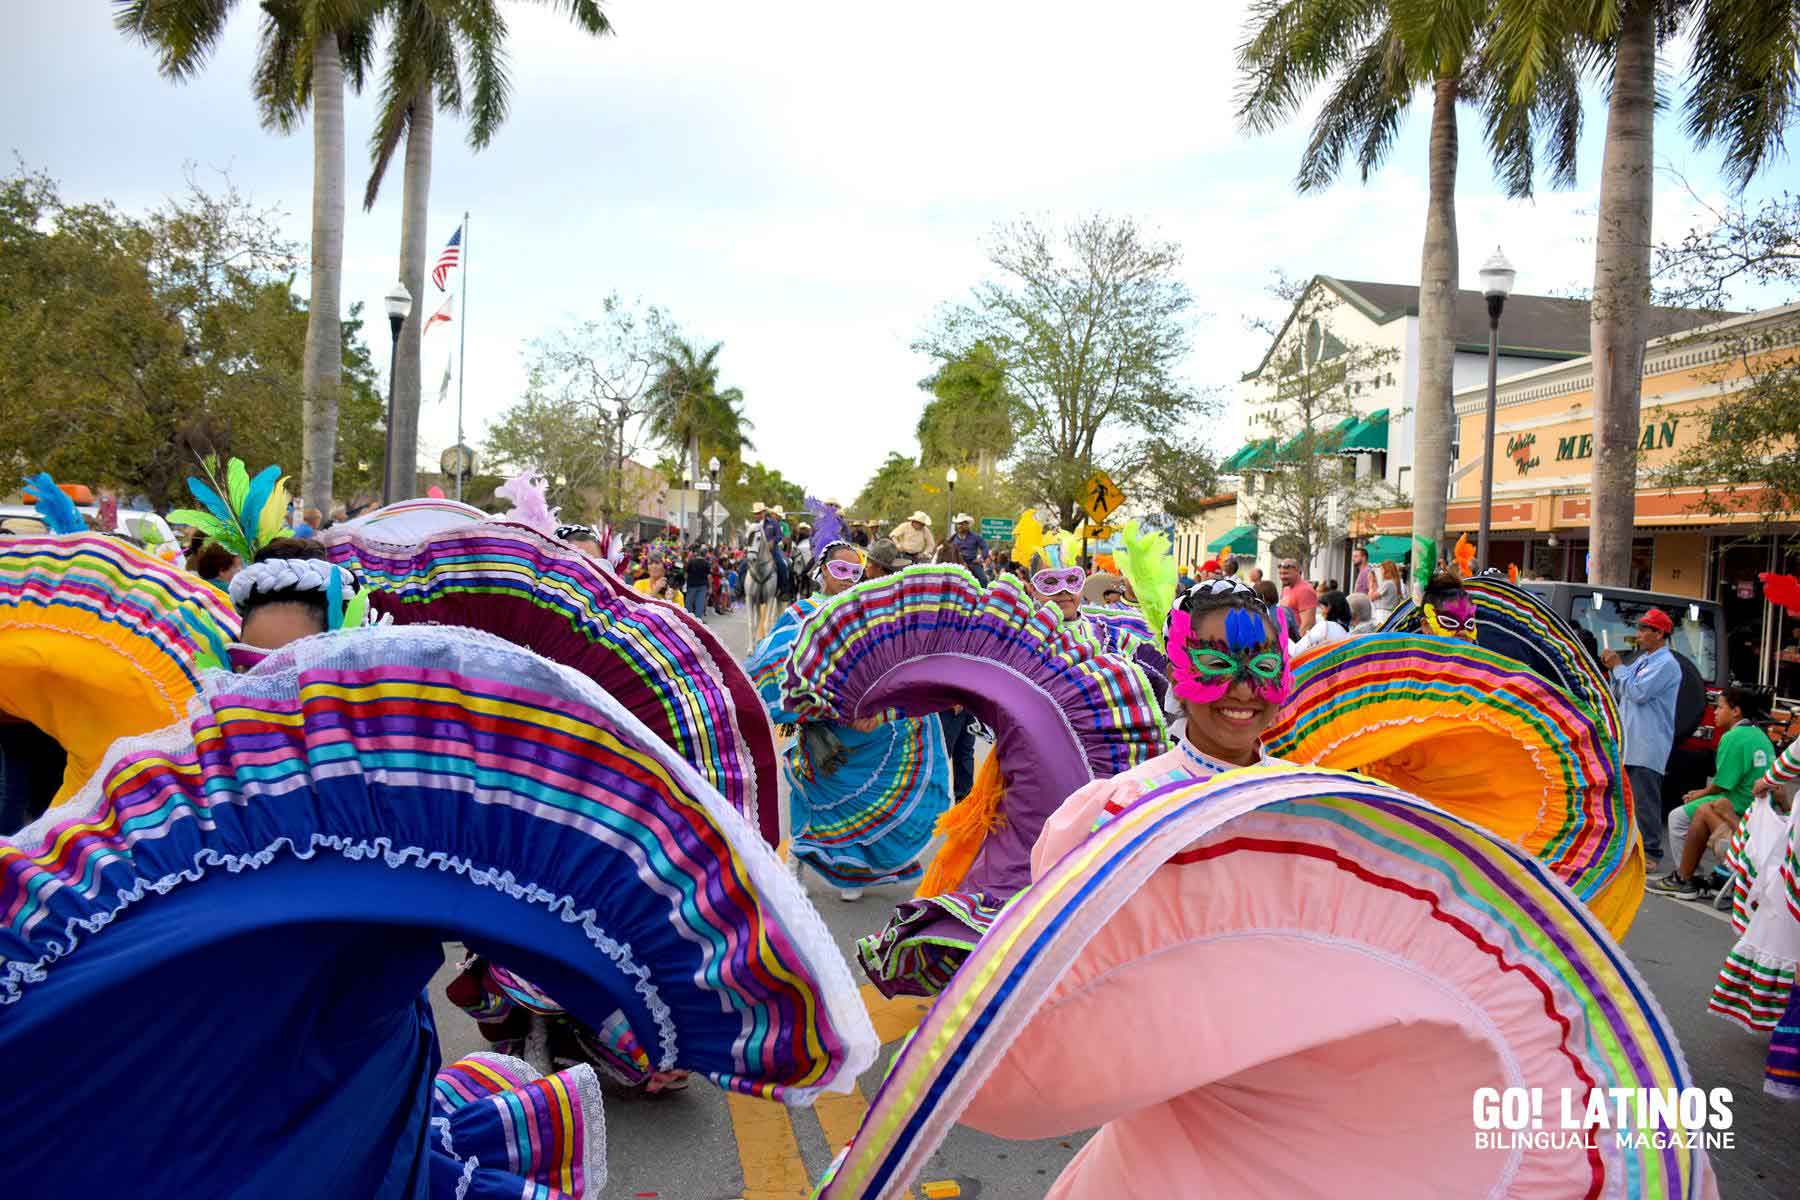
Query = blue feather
x=53 y=505
x=334 y=601
x=214 y=504
x=1244 y=629
x=256 y=498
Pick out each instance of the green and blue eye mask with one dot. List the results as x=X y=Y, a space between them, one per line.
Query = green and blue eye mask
x=1205 y=669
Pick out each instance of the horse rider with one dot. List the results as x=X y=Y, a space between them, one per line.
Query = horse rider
x=772 y=522
x=971 y=548
x=912 y=537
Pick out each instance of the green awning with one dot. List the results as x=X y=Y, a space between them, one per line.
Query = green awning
x=1388 y=549
x=1247 y=455
x=1369 y=437
x=1241 y=540
x=1327 y=441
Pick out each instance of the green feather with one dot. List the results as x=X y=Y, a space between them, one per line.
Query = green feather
x=356 y=611
x=1150 y=566
x=237 y=482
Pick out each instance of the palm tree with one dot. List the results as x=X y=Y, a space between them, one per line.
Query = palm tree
x=309 y=50
x=685 y=406
x=1377 y=56
x=1743 y=88
x=433 y=45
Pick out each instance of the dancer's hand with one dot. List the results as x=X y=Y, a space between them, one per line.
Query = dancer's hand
x=866 y=724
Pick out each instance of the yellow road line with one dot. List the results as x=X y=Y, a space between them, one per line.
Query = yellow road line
x=893 y=1017
x=767 y=1151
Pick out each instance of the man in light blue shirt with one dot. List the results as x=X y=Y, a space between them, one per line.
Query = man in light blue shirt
x=1646 y=690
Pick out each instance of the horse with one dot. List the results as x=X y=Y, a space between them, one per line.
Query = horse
x=760 y=586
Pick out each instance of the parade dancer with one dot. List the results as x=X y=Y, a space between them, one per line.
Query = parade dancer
x=1189 y=908
x=99 y=640
x=241 y=912
x=863 y=795
x=1757 y=988
x=1063 y=713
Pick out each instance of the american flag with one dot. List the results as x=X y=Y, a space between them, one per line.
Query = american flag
x=442 y=314
x=448 y=260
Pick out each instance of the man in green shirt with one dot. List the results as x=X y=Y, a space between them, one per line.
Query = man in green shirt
x=1744 y=755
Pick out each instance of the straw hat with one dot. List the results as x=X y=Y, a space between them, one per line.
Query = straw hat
x=777 y=510
x=759 y=506
x=923 y=518
x=962 y=518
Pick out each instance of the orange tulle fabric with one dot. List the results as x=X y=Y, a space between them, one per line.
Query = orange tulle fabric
x=965 y=826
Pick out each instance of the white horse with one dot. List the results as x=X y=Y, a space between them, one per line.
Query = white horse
x=761 y=586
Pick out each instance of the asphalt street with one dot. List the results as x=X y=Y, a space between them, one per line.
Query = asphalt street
x=704 y=1145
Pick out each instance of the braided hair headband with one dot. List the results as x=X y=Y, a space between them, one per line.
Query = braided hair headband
x=304 y=575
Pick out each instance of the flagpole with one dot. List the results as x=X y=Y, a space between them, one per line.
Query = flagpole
x=462 y=354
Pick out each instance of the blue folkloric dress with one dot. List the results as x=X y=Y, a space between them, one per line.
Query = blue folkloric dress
x=861 y=818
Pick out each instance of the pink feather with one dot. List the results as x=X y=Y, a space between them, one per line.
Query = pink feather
x=531 y=506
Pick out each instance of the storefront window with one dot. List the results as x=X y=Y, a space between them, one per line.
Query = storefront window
x=1614 y=626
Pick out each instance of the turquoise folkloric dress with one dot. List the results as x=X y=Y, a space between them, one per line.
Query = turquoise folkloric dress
x=863 y=805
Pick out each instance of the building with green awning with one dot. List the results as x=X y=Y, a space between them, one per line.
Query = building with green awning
x=1241 y=540
x=1368 y=435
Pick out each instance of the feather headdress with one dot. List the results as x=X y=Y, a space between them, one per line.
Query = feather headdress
x=531 y=503
x=242 y=514
x=1028 y=538
x=828 y=526
x=1149 y=564
x=53 y=505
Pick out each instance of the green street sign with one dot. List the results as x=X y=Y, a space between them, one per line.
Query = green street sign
x=997 y=529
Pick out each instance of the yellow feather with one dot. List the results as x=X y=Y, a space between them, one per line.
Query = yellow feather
x=1028 y=538
x=273 y=522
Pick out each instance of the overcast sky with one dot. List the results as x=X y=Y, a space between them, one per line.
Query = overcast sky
x=805 y=182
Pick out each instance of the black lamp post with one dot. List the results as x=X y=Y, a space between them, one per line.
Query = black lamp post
x=1496 y=281
x=949 y=501
x=399 y=304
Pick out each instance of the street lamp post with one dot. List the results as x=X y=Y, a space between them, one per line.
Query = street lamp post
x=950 y=500
x=712 y=468
x=1496 y=281
x=399 y=304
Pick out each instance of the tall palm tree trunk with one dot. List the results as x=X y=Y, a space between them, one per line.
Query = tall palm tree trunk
x=1432 y=415
x=324 y=356
x=403 y=471
x=1620 y=312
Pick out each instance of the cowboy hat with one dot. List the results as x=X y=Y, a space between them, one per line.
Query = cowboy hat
x=759 y=506
x=962 y=519
x=923 y=518
x=777 y=510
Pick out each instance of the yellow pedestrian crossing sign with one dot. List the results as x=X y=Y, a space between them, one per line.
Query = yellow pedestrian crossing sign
x=1100 y=497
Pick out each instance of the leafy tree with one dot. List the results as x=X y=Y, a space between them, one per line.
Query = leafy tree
x=591 y=384
x=136 y=344
x=892 y=492
x=1749 y=460
x=1174 y=474
x=972 y=416
x=309 y=50
x=1304 y=489
x=433 y=47
x=1743 y=87
x=567 y=441
x=1374 y=57
x=1090 y=322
